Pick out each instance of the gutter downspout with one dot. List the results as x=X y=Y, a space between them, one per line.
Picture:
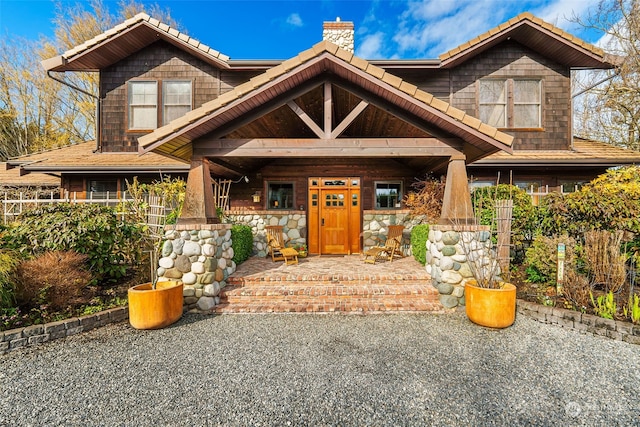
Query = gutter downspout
x=98 y=102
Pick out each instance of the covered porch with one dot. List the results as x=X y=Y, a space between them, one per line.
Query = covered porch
x=326 y=127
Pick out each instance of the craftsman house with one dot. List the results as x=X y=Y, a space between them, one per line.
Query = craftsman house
x=329 y=143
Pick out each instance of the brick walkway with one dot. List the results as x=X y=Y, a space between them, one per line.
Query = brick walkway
x=325 y=284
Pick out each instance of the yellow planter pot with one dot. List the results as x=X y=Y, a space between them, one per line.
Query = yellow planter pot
x=155 y=308
x=494 y=308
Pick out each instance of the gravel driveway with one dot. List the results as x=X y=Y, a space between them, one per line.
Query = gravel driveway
x=413 y=369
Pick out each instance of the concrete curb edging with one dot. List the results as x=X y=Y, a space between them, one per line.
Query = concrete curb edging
x=582 y=322
x=36 y=334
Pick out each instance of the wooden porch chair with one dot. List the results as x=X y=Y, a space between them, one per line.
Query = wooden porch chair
x=275 y=242
x=390 y=249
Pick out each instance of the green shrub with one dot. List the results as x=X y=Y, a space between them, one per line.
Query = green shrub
x=419 y=237
x=542 y=260
x=242 y=242
x=8 y=263
x=92 y=230
x=523 y=220
x=610 y=202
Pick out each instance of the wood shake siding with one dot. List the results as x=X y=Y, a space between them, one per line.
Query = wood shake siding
x=512 y=60
x=160 y=61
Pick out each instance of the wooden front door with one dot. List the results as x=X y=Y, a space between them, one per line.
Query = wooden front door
x=334 y=216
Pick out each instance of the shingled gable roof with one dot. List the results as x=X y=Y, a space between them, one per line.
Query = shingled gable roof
x=126 y=38
x=174 y=139
x=80 y=158
x=539 y=36
x=583 y=153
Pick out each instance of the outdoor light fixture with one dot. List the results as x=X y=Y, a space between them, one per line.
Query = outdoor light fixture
x=256 y=197
x=246 y=179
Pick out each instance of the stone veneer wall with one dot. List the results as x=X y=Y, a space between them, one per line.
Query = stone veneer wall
x=294 y=226
x=201 y=257
x=375 y=224
x=447 y=261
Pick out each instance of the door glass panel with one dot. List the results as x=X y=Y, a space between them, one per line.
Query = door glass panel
x=354 y=200
x=333 y=182
x=334 y=200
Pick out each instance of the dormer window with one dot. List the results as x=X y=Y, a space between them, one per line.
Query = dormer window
x=510 y=103
x=175 y=98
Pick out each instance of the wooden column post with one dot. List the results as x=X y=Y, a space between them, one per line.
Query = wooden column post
x=456 y=205
x=199 y=205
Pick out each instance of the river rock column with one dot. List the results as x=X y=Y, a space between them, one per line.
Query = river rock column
x=447 y=261
x=201 y=256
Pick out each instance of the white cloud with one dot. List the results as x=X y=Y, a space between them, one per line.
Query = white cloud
x=560 y=13
x=294 y=20
x=428 y=28
x=371 y=46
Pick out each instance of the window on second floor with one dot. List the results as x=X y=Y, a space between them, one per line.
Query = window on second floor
x=143 y=105
x=177 y=99
x=510 y=103
x=144 y=99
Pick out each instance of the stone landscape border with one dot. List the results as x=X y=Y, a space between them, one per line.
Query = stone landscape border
x=582 y=322
x=36 y=334
x=585 y=323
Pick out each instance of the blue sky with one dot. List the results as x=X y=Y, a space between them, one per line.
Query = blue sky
x=390 y=29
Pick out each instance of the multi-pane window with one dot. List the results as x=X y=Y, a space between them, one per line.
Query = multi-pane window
x=510 y=103
x=526 y=103
x=280 y=195
x=143 y=105
x=388 y=194
x=493 y=102
x=177 y=99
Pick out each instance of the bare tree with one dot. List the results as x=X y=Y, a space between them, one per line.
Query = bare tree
x=611 y=111
x=37 y=112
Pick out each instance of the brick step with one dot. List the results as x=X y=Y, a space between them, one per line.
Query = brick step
x=292 y=290
x=344 y=305
x=327 y=298
x=322 y=280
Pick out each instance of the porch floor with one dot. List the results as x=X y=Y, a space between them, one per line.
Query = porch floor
x=324 y=284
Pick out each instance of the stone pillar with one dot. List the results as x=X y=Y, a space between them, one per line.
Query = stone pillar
x=199 y=205
x=339 y=33
x=447 y=258
x=201 y=256
x=456 y=203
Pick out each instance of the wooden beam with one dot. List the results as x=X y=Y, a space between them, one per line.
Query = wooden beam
x=199 y=205
x=328 y=110
x=222 y=168
x=349 y=119
x=306 y=119
x=359 y=147
x=456 y=202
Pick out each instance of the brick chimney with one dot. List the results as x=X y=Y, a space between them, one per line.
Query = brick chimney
x=339 y=33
